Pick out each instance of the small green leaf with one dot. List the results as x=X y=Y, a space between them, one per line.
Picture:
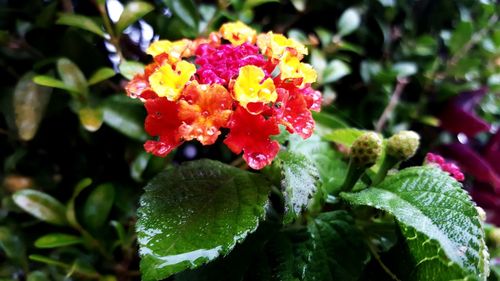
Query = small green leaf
x=98 y=205
x=72 y=76
x=41 y=206
x=49 y=261
x=300 y=181
x=30 y=101
x=82 y=22
x=348 y=22
x=91 y=118
x=434 y=204
x=344 y=136
x=54 y=240
x=126 y=116
x=139 y=165
x=335 y=70
x=186 y=11
x=250 y=4
x=12 y=246
x=49 y=81
x=461 y=35
x=130 y=68
x=103 y=73
x=194 y=213
x=70 y=209
x=132 y=12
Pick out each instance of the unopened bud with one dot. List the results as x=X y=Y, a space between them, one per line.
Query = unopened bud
x=366 y=149
x=403 y=145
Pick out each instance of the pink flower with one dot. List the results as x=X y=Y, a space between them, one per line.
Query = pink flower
x=448 y=167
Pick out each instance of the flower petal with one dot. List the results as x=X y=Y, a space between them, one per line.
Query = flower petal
x=169 y=80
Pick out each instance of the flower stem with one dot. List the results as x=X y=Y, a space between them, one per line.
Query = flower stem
x=388 y=163
x=353 y=174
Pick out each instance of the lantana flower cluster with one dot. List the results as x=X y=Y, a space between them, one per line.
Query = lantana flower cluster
x=449 y=167
x=236 y=79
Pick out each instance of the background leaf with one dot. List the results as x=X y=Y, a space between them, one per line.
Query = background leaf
x=434 y=204
x=130 y=68
x=103 y=73
x=126 y=116
x=348 y=22
x=194 y=213
x=41 y=206
x=72 y=76
x=132 y=12
x=98 y=205
x=54 y=240
x=82 y=22
x=186 y=11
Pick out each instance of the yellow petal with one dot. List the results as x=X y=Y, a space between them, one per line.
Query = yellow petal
x=248 y=87
x=237 y=33
x=174 y=49
x=169 y=83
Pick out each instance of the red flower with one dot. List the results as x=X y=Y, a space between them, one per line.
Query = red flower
x=251 y=134
x=162 y=121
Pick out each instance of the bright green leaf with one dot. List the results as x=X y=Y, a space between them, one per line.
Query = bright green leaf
x=54 y=240
x=132 y=12
x=462 y=33
x=194 y=213
x=91 y=118
x=435 y=205
x=103 y=73
x=335 y=70
x=344 y=136
x=72 y=76
x=348 y=22
x=30 y=101
x=49 y=261
x=41 y=206
x=126 y=116
x=186 y=11
x=300 y=181
x=98 y=205
x=130 y=68
x=82 y=22
x=49 y=81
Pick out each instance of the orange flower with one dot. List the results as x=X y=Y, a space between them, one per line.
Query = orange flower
x=237 y=33
x=203 y=110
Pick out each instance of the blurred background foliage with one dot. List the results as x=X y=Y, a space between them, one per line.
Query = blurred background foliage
x=71 y=141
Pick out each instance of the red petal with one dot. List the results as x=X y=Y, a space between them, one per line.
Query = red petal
x=297 y=117
x=163 y=146
x=162 y=117
x=251 y=134
x=313 y=98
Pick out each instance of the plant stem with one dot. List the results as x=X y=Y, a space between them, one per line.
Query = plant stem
x=353 y=175
x=402 y=82
x=380 y=262
x=388 y=163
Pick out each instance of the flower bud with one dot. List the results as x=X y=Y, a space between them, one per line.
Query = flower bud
x=366 y=149
x=403 y=145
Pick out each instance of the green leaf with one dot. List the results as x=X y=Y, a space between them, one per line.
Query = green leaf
x=433 y=203
x=250 y=4
x=37 y=276
x=300 y=180
x=132 y=12
x=186 y=11
x=72 y=76
x=194 y=213
x=81 y=22
x=461 y=35
x=98 y=205
x=103 y=73
x=331 y=248
x=30 y=101
x=126 y=116
x=49 y=261
x=54 y=240
x=348 y=22
x=12 y=246
x=405 y=69
x=335 y=70
x=139 y=165
x=49 y=81
x=300 y=5
x=70 y=209
x=326 y=123
x=130 y=68
x=91 y=118
x=41 y=206
x=344 y=136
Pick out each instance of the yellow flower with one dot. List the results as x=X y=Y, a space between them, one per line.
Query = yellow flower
x=291 y=67
x=175 y=50
x=237 y=33
x=276 y=45
x=248 y=87
x=167 y=82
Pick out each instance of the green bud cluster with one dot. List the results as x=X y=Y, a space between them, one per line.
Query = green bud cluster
x=403 y=145
x=366 y=149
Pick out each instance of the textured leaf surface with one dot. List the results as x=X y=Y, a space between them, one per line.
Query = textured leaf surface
x=300 y=180
x=41 y=206
x=434 y=204
x=194 y=213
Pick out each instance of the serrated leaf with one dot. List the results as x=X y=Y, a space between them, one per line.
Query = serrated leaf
x=98 y=205
x=132 y=12
x=186 y=11
x=348 y=22
x=103 y=73
x=41 y=206
x=299 y=183
x=81 y=22
x=433 y=203
x=335 y=70
x=344 y=136
x=30 y=101
x=72 y=76
x=126 y=116
x=130 y=68
x=54 y=240
x=194 y=213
